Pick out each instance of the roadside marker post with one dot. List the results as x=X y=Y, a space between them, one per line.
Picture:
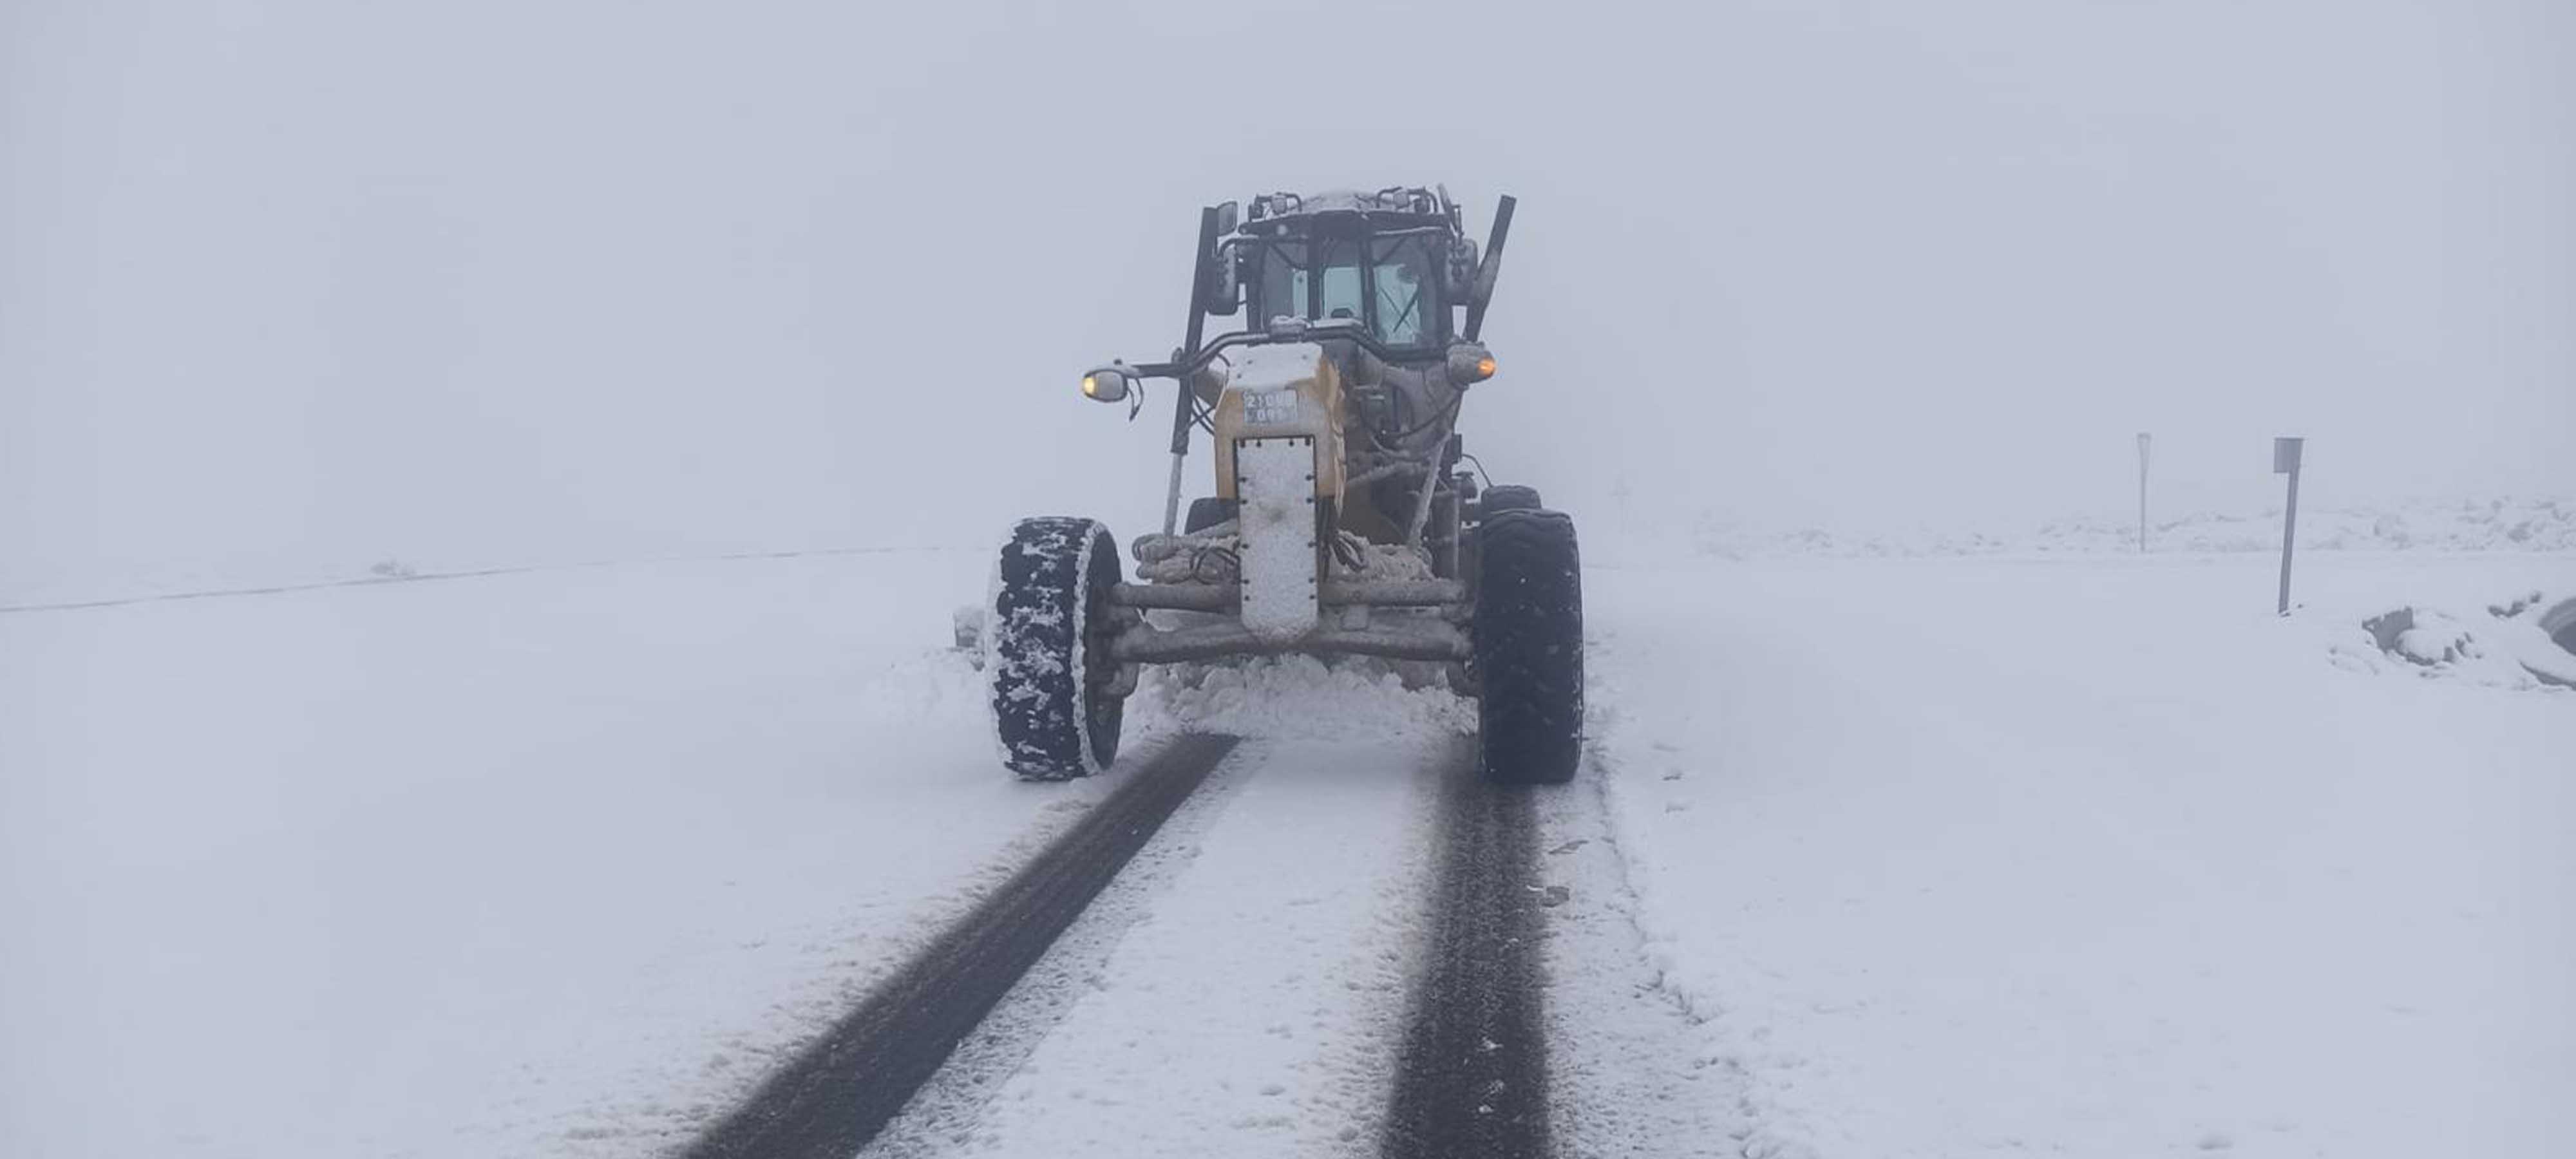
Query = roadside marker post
x=2285 y=461
x=2143 y=439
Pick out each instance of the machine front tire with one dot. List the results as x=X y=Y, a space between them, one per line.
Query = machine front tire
x=1529 y=647
x=1046 y=651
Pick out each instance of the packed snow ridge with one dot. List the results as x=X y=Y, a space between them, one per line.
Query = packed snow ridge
x=2450 y=525
x=2507 y=645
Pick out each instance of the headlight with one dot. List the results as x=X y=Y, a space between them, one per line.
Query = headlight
x=1470 y=362
x=1105 y=384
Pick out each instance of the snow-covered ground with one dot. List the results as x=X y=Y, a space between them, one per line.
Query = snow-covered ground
x=489 y=866
x=2098 y=857
x=2087 y=854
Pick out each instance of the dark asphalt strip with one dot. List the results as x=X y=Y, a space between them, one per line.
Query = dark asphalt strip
x=847 y=1085
x=1472 y=1081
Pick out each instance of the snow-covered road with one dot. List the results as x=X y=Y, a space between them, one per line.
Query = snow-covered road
x=1243 y=996
x=1939 y=857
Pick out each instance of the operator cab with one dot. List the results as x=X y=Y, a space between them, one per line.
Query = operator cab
x=1378 y=279
x=1396 y=260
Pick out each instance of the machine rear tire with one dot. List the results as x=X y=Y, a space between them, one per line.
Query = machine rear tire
x=1529 y=647
x=1504 y=497
x=1046 y=647
x=1206 y=513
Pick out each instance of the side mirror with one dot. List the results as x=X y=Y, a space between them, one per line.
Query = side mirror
x=1481 y=294
x=1225 y=281
x=1458 y=277
x=1228 y=215
x=1107 y=383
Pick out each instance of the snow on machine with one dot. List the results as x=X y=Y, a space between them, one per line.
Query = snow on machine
x=1340 y=523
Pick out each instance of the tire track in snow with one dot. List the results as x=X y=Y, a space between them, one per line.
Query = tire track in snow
x=844 y=1087
x=1250 y=1000
x=954 y=1105
x=1473 y=1081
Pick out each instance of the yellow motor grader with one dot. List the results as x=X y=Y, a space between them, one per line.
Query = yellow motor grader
x=1340 y=522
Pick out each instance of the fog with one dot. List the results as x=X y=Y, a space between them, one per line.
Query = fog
x=289 y=287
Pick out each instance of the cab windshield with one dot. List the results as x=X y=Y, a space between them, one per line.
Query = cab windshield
x=1385 y=282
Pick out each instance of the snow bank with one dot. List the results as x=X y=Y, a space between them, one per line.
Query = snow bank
x=2505 y=645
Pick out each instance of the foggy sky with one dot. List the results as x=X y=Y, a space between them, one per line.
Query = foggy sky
x=289 y=287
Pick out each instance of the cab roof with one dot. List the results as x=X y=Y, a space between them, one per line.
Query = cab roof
x=1395 y=206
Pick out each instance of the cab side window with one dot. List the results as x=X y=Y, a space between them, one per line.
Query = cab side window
x=1339 y=261
x=1400 y=272
x=1283 y=286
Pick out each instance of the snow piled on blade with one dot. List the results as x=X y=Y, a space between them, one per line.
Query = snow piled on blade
x=1299 y=697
